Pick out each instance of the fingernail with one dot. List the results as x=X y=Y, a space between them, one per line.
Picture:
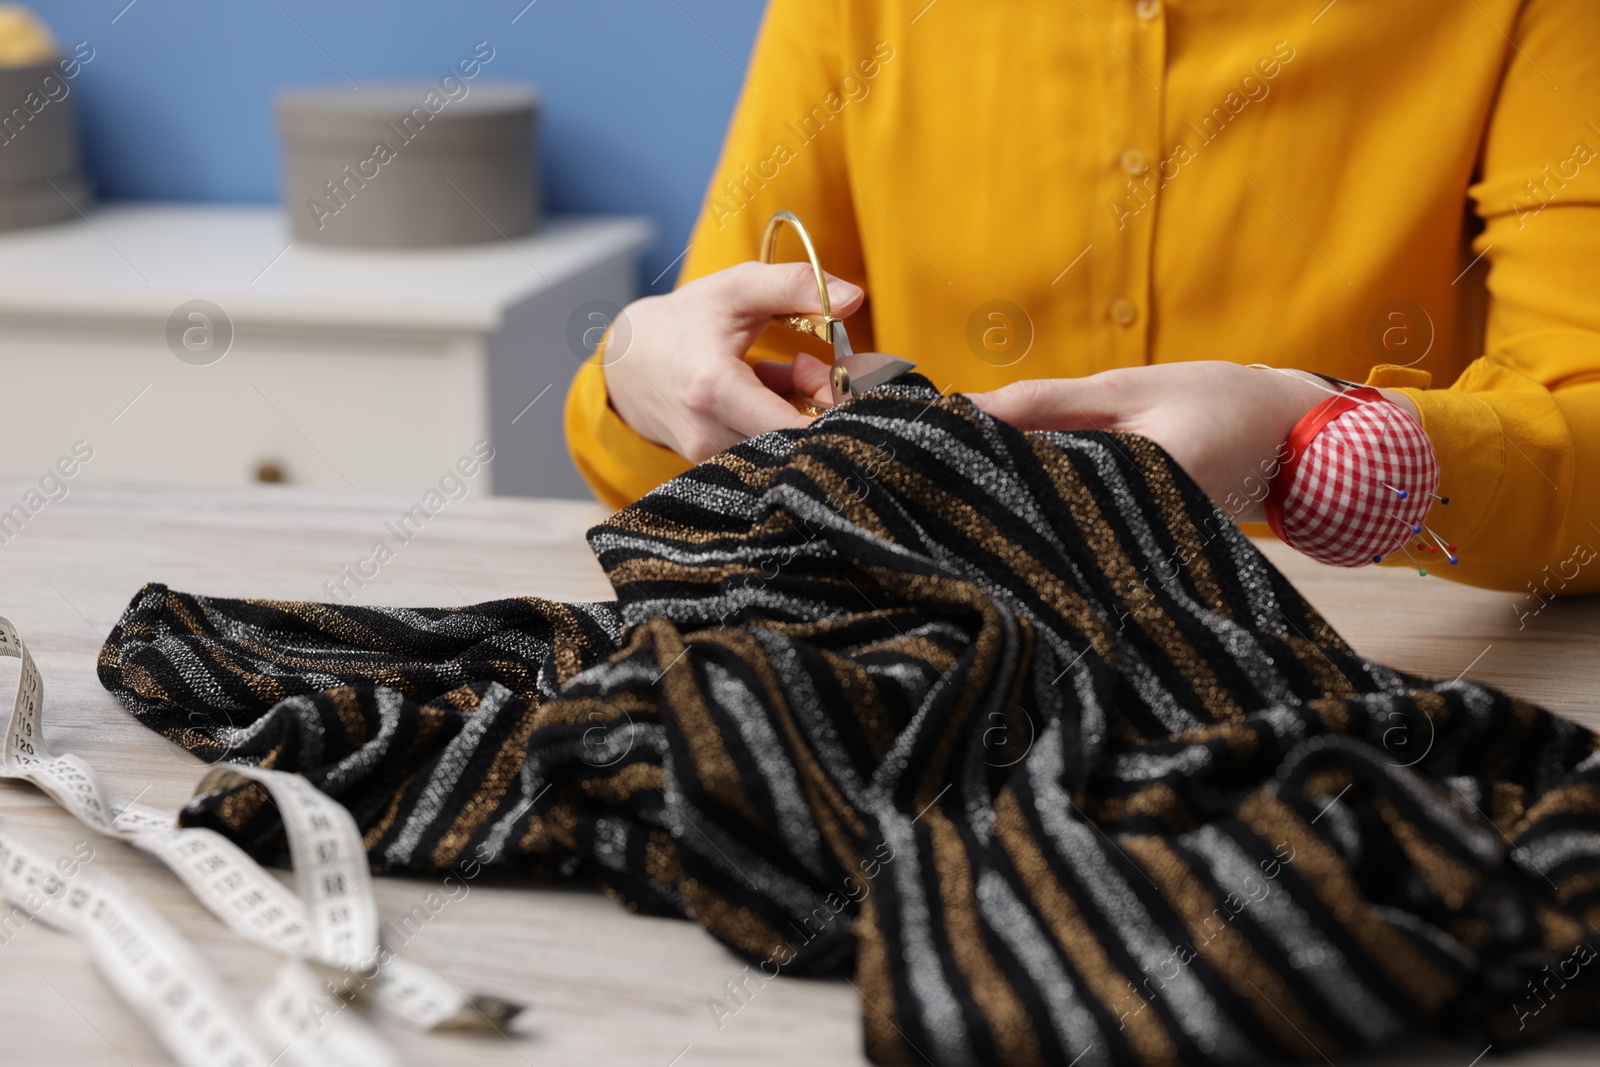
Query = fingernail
x=842 y=292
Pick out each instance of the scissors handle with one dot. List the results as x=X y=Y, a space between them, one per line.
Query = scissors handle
x=769 y=246
x=824 y=325
x=819 y=326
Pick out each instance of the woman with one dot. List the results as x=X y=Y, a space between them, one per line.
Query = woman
x=1099 y=213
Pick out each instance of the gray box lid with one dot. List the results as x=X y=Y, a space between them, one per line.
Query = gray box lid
x=489 y=117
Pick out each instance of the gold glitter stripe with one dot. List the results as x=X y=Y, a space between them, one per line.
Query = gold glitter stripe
x=713 y=766
x=1119 y=570
x=1228 y=951
x=1146 y=1035
x=505 y=770
x=1009 y=1023
x=1324 y=870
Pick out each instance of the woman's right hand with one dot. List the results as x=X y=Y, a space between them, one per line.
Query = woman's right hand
x=682 y=380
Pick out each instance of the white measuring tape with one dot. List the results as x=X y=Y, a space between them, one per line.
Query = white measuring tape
x=329 y=929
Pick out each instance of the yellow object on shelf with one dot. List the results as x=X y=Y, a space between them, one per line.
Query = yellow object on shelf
x=24 y=40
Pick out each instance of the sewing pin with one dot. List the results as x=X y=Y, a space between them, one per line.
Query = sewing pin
x=1421 y=570
x=1440 y=499
x=1416 y=529
x=1449 y=549
x=1401 y=493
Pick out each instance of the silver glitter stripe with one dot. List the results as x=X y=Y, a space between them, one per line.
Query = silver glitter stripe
x=1549 y=770
x=714 y=555
x=908 y=676
x=309 y=723
x=1009 y=918
x=999 y=484
x=611 y=843
x=1544 y=855
x=1286 y=721
x=796 y=822
x=452 y=760
x=776 y=443
x=1199 y=1016
x=976 y=795
x=1092 y=720
x=1310 y=954
x=299 y=707
x=706 y=839
x=193 y=668
x=611 y=675
x=1343 y=828
x=895 y=762
x=453 y=624
x=1265 y=611
x=1478 y=839
x=1143 y=766
x=1161 y=701
x=757 y=595
x=819 y=514
x=1243 y=647
x=647 y=737
x=614 y=744
x=603 y=615
x=359 y=763
x=735 y=503
x=932 y=997
x=1383 y=677
x=1428 y=932
x=814 y=720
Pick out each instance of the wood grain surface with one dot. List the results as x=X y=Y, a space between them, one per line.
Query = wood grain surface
x=607 y=987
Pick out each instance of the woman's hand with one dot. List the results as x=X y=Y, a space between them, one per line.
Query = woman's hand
x=1225 y=424
x=682 y=380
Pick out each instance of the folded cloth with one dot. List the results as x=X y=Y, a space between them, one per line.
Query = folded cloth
x=1015 y=729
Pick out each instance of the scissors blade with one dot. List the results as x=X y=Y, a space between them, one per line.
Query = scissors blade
x=871 y=369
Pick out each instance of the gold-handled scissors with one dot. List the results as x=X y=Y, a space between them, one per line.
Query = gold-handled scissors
x=852 y=371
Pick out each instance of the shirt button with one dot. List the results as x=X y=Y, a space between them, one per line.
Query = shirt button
x=1147 y=10
x=1123 y=313
x=1133 y=161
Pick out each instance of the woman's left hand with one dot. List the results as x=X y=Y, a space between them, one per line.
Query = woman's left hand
x=1224 y=423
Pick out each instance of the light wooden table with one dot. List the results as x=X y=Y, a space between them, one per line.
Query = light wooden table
x=608 y=987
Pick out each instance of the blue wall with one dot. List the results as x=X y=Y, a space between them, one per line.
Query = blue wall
x=176 y=103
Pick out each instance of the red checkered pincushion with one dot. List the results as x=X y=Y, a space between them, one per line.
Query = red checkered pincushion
x=1358 y=482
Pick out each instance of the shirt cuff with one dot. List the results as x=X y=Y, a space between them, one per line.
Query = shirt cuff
x=1498 y=437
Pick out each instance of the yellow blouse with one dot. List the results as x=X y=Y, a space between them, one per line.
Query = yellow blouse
x=1402 y=193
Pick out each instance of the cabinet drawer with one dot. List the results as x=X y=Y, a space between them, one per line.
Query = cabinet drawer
x=322 y=409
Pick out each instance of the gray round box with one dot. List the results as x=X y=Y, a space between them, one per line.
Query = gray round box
x=40 y=178
x=408 y=165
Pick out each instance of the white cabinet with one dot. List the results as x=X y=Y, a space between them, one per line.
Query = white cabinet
x=377 y=369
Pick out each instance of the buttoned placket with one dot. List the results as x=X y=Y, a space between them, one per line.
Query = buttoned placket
x=1135 y=33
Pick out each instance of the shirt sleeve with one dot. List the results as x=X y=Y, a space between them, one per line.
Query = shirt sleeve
x=1518 y=433
x=785 y=148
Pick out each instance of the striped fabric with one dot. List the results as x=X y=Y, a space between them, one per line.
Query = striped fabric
x=1015 y=730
